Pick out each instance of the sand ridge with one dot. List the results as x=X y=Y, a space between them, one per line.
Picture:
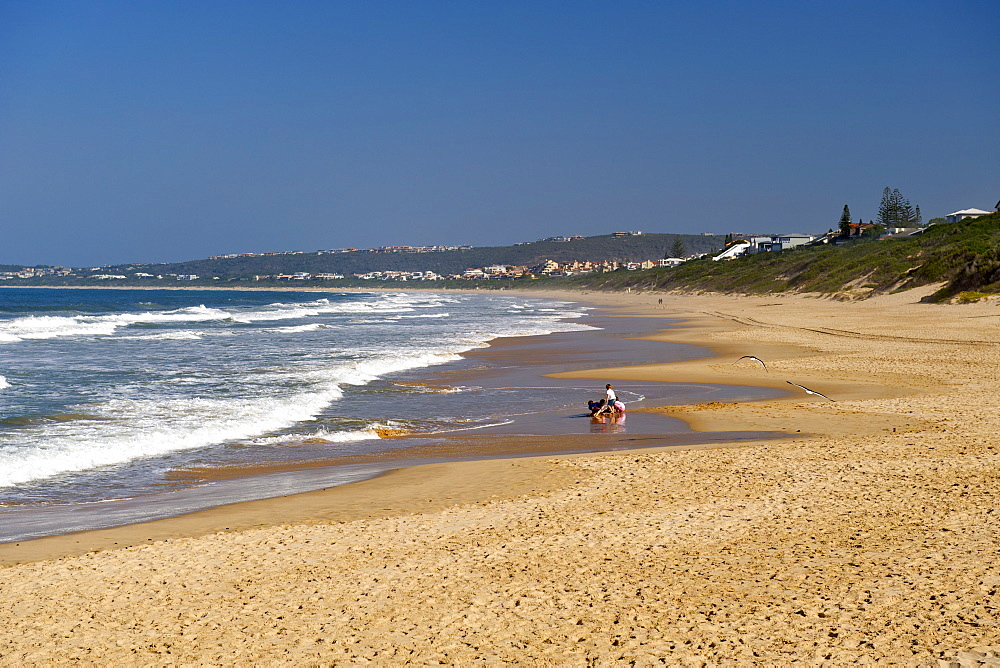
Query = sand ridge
x=869 y=536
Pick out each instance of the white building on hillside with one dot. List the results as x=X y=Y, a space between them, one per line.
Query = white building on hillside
x=735 y=250
x=765 y=244
x=786 y=241
x=965 y=213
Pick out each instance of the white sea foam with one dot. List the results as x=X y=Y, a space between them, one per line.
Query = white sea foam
x=424 y=315
x=47 y=327
x=142 y=428
x=389 y=303
x=311 y=327
x=370 y=432
x=4 y=383
x=365 y=371
x=452 y=389
x=180 y=335
x=473 y=428
x=250 y=392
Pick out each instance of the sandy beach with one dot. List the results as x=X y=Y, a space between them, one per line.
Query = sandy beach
x=869 y=534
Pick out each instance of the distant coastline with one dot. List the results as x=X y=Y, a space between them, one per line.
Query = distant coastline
x=950 y=256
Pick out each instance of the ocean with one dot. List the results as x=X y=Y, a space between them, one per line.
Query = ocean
x=95 y=382
x=112 y=395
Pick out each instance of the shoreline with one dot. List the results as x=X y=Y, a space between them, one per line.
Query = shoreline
x=693 y=329
x=458 y=449
x=868 y=535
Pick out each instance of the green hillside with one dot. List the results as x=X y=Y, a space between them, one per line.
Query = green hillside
x=965 y=256
x=637 y=248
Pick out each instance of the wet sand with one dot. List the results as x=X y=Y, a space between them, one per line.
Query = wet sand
x=554 y=423
x=869 y=534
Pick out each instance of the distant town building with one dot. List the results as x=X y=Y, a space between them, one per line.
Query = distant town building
x=634 y=233
x=546 y=267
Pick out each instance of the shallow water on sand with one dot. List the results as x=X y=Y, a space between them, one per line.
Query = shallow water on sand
x=150 y=414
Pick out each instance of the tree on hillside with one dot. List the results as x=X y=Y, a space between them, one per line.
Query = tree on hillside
x=845 y=222
x=896 y=211
x=888 y=208
x=678 y=249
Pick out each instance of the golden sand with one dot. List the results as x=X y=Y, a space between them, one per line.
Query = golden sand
x=870 y=534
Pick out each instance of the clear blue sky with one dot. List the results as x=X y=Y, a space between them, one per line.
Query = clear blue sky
x=171 y=130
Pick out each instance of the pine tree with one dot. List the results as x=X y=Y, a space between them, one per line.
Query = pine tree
x=678 y=249
x=845 y=222
x=885 y=208
x=900 y=212
x=896 y=211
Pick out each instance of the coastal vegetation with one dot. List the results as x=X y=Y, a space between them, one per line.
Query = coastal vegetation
x=896 y=211
x=963 y=256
